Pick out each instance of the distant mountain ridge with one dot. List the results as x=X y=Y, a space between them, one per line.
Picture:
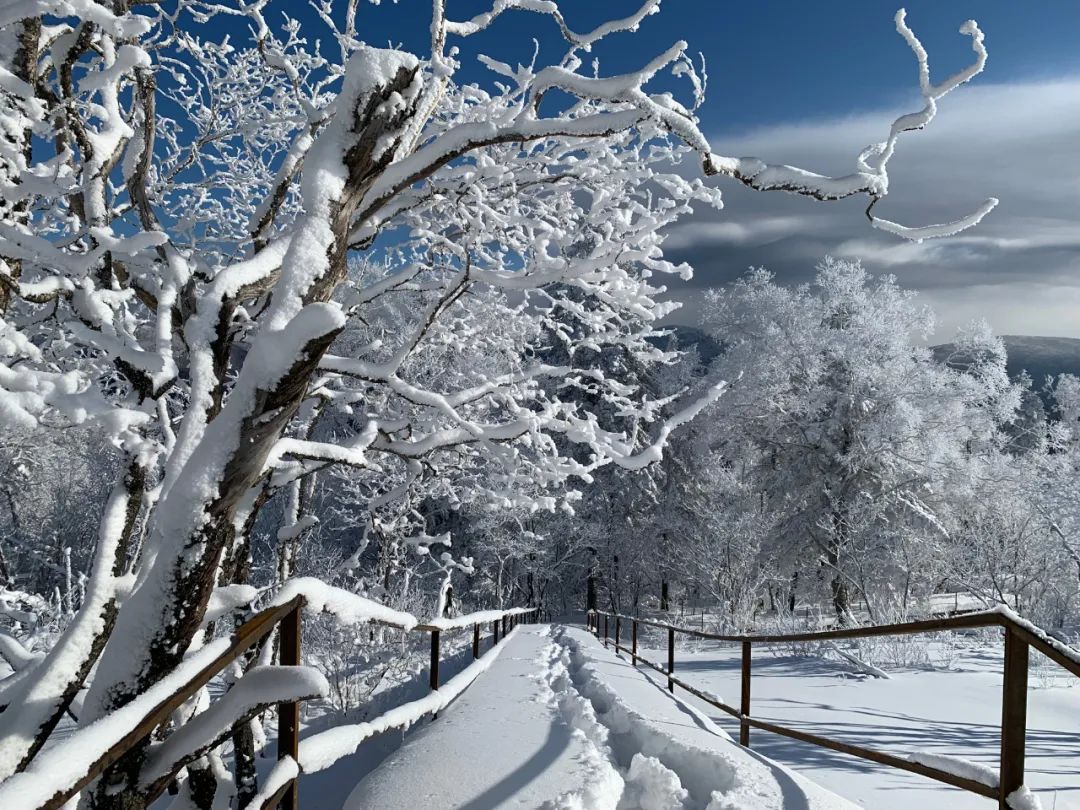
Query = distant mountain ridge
x=1039 y=356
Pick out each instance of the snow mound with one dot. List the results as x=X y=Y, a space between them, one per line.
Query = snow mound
x=964 y=768
x=673 y=756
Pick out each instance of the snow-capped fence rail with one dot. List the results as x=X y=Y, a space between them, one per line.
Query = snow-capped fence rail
x=96 y=747
x=1007 y=786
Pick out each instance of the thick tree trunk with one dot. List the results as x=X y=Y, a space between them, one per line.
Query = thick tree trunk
x=840 y=599
x=838 y=588
x=247 y=780
x=185 y=572
x=203 y=785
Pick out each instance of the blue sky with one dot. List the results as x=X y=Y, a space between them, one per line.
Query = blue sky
x=781 y=59
x=811 y=83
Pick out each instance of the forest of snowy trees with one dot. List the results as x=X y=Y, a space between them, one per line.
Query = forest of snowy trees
x=271 y=310
x=849 y=468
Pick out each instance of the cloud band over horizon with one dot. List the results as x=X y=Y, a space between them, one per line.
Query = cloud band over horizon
x=1020 y=268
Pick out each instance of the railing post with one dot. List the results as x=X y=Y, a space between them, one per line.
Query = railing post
x=633 y=642
x=476 y=640
x=434 y=660
x=605 y=629
x=744 y=705
x=289 y=713
x=434 y=672
x=494 y=632
x=1013 y=716
x=617 y=625
x=670 y=658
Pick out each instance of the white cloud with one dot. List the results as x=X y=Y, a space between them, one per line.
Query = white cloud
x=1020 y=268
x=751 y=232
x=1012 y=309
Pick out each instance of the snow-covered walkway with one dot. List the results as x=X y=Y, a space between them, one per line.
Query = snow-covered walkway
x=560 y=722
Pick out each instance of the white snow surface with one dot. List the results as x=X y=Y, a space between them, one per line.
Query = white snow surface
x=560 y=722
x=920 y=712
x=469 y=619
x=346 y=606
x=958 y=766
x=322 y=750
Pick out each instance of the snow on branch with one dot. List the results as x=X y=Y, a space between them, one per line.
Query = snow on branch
x=65 y=763
x=627 y=459
x=35 y=705
x=551 y=8
x=257 y=690
x=872 y=176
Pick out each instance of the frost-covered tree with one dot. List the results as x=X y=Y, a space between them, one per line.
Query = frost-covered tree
x=179 y=208
x=848 y=431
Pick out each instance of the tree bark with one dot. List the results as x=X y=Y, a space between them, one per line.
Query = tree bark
x=181 y=586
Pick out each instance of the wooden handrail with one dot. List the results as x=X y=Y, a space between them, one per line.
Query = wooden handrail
x=964 y=621
x=1019 y=637
x=244 y=637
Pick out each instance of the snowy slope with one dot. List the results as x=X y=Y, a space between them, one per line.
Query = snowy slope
x=1038 y=356
x=953 y=712
x=560 y=722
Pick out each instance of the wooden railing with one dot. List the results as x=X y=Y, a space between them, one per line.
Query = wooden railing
x=1020 y=636
x=287 y=617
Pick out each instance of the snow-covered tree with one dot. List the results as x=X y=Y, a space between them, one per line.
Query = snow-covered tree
x=852 y=431
x=179 y=212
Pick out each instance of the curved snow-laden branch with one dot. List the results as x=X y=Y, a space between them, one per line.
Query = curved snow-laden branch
x=352 y=453
x=37 y=703
x=872 y=176
x=258 y=689
x=474 y=136
x=550 y=8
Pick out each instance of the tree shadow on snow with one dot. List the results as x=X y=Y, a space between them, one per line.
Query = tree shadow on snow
x=558 y=739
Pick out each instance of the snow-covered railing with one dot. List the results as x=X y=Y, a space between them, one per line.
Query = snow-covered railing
x=508 y=619
x=1007 y=785
x=96 y=747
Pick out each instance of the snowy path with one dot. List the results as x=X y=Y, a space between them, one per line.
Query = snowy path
x=560 y=722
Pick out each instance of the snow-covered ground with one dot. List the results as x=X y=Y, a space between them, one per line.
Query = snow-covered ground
x=559 y=722
x=954 y=712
